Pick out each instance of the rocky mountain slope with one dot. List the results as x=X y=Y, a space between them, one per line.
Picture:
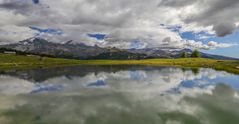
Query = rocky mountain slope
x=82 y=51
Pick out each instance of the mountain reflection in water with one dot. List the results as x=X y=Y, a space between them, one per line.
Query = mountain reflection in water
x=119 y=95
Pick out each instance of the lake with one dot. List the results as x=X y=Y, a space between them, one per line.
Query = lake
x=119 y=95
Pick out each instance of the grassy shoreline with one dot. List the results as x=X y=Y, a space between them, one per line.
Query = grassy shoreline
x=222 y=65
x=23 y=62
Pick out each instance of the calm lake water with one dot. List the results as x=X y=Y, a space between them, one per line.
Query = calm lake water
x=119 y=95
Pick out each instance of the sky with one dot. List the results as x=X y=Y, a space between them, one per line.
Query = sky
x=209 y=25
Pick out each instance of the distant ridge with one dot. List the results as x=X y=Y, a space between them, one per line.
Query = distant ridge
x=82 y=51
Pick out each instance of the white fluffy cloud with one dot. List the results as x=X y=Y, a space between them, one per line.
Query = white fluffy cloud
x=214 y=44
x=124 y=22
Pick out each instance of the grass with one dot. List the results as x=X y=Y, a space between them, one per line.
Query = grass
x=16 y=61
x=224 y=65
x=8 y=61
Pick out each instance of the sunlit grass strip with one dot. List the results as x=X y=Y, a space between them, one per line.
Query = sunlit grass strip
x=16 y=61
x=226 y=65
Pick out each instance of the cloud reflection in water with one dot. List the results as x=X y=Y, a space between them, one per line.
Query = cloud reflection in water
x=157 y=95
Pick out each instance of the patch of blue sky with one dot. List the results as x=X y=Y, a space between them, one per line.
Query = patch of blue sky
x=47 y=31
x=230 y=51
x=97 y=36
x=188 y=35
x=199 y=36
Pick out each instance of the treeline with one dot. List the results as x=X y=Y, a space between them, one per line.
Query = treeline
x=195 y=54
x=119 y=55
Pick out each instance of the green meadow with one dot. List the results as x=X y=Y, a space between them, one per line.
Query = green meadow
x=8 y=61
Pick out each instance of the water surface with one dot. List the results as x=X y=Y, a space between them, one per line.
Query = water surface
x=119 y=95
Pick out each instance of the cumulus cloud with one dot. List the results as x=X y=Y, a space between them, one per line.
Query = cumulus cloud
x=151 y=37
x=214 y=44
x=125 y=23
x=223 y=29
x=217 y=14
x=198 y=45
x=176 y=3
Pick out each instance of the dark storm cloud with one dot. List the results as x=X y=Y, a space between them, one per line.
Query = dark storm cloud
x=19 y=7
x=13 y=5
x=220 y=14
x=216 y=11
x=224 y=29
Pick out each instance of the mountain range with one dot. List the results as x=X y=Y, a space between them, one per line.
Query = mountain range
x=38 y=46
